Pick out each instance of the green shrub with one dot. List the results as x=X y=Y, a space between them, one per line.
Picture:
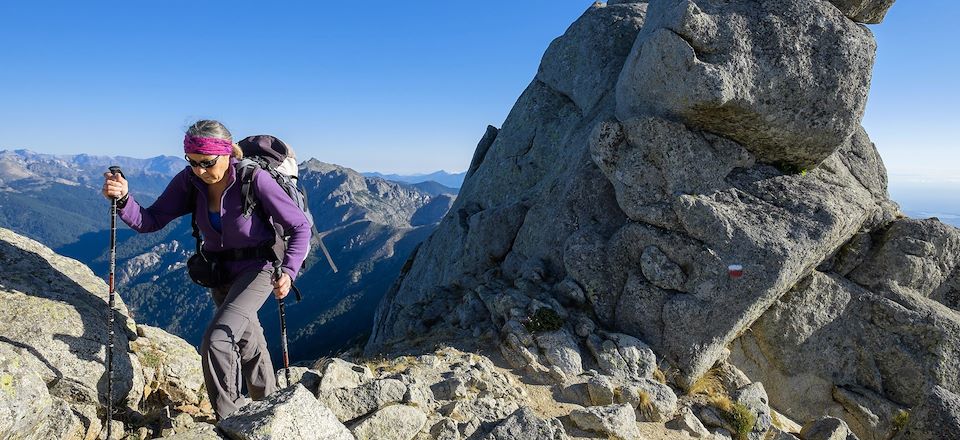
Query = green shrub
x=900 y=420
x=543 y=320
x=789 y=168
x=741 y=419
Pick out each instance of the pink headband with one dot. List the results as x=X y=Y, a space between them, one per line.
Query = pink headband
x=206 y=145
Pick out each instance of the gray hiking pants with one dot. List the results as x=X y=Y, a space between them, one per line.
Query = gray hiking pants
x=233 y=345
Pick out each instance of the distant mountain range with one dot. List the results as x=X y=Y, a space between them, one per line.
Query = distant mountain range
x=369 y=224
x=442 y=177
x=55 y=199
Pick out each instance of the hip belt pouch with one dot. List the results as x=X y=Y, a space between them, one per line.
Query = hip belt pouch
x=205 y=272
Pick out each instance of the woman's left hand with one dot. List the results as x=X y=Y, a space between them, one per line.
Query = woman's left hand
x=281 y=286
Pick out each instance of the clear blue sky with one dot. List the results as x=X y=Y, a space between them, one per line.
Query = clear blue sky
x=374 y=85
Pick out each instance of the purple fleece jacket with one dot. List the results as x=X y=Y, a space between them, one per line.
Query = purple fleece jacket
x=238 y=231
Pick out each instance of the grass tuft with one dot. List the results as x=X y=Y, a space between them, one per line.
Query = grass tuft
x=710 y=384
x=775 y=420
x=645 y=405
x=742 y=419
x=659 y=376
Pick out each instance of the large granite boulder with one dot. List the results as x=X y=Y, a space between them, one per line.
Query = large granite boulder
x=292 y=413
x=685 y=203
x=54 y=318
x=864 y=11
x=53 y=336
x=787 y=79
x=583 y=62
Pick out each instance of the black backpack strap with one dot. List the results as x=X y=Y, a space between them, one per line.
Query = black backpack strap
x=245 y=172
x=192 y=200
x=246 y=168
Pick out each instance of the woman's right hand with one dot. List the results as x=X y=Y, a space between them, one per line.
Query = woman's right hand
x=114 y=186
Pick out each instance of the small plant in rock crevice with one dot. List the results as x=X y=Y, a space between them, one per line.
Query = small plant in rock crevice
x=543 y=320
x=900 y=420
x=151 y=358
x=789 y=168
x=738 y=416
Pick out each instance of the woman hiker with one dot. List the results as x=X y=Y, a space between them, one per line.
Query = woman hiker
x=233 y=345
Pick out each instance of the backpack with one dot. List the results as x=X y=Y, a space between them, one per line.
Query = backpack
x=277 y=159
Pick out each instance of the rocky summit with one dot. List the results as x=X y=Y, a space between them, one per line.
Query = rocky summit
x=680 y=231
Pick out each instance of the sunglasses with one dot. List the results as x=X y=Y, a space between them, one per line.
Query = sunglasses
x=203 y=163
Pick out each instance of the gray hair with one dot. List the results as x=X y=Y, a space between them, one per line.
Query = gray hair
x=214 y=129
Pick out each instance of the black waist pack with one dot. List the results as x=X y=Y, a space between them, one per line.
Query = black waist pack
x=205 y=272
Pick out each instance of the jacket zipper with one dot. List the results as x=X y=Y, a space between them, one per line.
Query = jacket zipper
x=223 y=230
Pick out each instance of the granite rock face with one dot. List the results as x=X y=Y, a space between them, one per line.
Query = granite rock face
x=868 y=342
x=587 y=58
x=786 y=79
x=936 y=418
x=864 y=11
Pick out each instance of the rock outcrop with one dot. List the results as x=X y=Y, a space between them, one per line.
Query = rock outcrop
x=53 y=335
x=658 y=146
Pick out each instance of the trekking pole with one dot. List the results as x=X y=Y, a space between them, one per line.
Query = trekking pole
x=113 y=265
x=277 y=273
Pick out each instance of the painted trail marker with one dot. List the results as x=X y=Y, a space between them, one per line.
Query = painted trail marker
x=735 y=271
